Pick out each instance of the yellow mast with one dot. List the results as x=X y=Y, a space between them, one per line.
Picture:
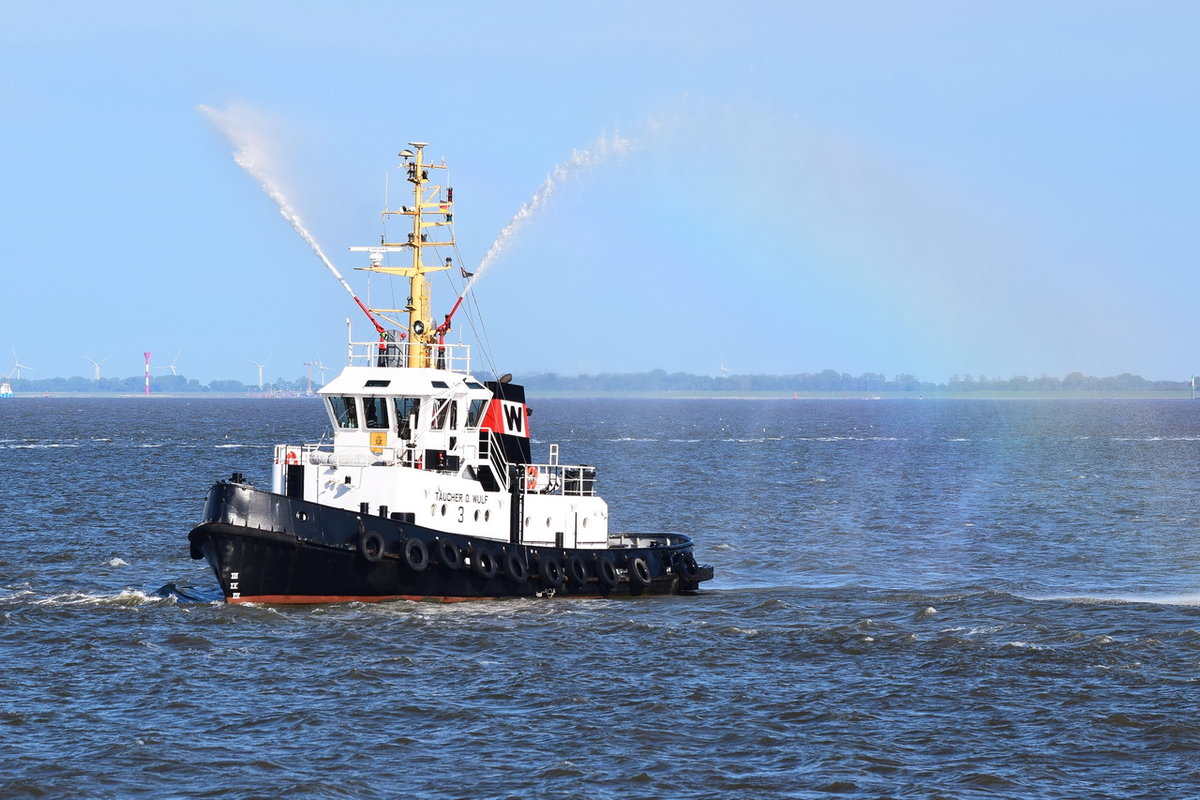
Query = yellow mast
x=422 y=332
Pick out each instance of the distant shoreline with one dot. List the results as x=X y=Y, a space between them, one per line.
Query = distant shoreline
x=827 y=384
x=536 y=394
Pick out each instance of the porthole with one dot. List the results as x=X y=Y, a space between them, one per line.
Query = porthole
x=302 y=516
x=487 y=515
x=477 y=515
x=548 y=522
x=443 y=509
x=433 y=510
x=585 y=519
x=528 y=522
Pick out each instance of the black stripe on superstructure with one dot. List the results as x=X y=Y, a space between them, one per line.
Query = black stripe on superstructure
x=506 y=391
x=516 y=448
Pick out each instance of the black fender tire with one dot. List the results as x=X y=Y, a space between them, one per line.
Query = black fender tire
x=371 y=545
x=484 y=564
x=550 y=571
x=639 y=571
x=449 y=556
x=515 y=568
x=416 y=555
x=577 y=571
x=686 y=567
x=606 y=571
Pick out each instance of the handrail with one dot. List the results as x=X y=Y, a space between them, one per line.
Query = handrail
x=450 y=357
x=577 y=480
x=489 y=441
x=340 y=455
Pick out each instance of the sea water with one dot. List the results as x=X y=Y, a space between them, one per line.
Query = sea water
x=920 y=598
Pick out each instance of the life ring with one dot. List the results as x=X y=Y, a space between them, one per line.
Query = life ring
x=531 y=478
x=416 y=555
x=292 y=458
x=685 y=565
x=515 y=568
x=577 y=571
x=639 y=571
x=606 y=571
x=449 y=554
x=550 y=571
x=484 y=563
x=371 y=545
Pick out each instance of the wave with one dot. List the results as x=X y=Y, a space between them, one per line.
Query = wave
x=168 y=594
x=39 y=446
x=852 y=439
x=1150 y=598
x=127 y=598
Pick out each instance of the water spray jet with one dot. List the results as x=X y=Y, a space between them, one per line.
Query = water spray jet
x=248 y=154
x=601 y=150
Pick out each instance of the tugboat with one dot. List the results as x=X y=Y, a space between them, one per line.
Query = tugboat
x=428 y=490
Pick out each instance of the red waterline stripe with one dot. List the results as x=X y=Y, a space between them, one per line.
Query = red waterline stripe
x=320 y=599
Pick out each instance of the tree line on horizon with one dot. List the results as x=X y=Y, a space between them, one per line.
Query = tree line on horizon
x=832 y=381
x=657 y=380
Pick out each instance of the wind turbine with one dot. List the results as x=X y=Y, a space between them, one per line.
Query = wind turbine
x=17 y=365
x=321 y=368
x=97 y=364
x=171 y=366
x=260 y=369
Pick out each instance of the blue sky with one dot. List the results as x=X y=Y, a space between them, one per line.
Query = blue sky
x=927 y=188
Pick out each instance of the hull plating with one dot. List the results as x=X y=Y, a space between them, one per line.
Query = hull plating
x=269 y=548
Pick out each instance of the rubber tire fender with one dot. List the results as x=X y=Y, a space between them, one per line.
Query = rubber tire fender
x=514 y=567
x=449 y=555
x=606 y=571
x=639 y=571
x=416 y=555
x=686 y=566
x=371 y=545
x=577 y=571
x=484 y=564
x=550 y=571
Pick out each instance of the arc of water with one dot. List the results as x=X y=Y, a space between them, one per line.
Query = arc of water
x=249 y=155
x=604 y=148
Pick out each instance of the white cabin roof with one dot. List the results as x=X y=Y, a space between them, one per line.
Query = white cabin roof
x=402 y=382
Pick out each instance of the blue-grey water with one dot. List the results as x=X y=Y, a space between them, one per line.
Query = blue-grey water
x=917 y=599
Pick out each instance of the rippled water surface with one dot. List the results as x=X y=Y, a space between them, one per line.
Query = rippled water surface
x=920 y=599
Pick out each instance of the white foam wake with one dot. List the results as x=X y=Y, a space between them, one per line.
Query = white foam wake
x=1182 y=599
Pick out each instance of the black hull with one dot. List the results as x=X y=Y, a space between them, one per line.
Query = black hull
x=269 y=548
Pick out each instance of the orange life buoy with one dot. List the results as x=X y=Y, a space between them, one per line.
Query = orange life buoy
x=531 y=477
x=292 y=458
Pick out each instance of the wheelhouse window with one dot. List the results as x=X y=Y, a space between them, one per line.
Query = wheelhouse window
x=375 y=412
x=445 y=414
x=407 y=410
x=475 y=413
x=345 y=412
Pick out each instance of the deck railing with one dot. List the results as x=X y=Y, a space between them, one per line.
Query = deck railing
x=394 y=353
x=491 y=449
x=578 y=480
